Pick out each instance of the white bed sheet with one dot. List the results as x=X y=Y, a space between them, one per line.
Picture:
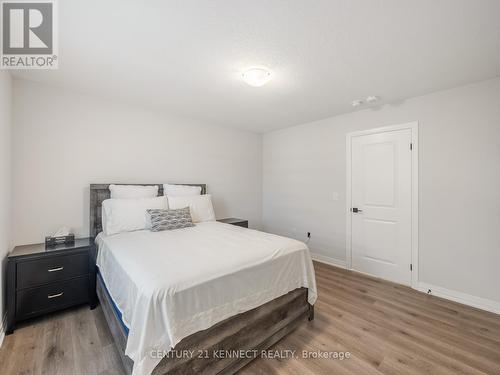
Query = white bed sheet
x=171 y=284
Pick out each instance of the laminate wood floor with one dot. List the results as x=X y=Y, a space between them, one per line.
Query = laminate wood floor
x=386 y=328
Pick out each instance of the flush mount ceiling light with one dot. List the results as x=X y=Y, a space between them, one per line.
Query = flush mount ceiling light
x=256 y=77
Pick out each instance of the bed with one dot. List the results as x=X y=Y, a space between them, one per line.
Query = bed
x=216 y=293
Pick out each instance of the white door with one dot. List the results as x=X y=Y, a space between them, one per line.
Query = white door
x=381 y=204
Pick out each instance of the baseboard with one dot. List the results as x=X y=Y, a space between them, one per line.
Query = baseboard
x=463 y=298
x=3 y=323
x=328 y=260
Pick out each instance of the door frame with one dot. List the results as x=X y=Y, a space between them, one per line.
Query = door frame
x=413 y=126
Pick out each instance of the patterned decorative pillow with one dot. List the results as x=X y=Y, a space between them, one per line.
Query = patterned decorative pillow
x=170 y=219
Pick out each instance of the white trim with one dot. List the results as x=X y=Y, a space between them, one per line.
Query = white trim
x=328 y=260
x=414 y=205
x=348 y=201
x=463 y=298
x=413 y=126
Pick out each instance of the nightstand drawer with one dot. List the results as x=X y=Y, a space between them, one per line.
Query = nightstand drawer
x=49 y=269
x=31 y=302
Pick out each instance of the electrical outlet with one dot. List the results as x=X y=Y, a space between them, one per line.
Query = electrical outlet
x=429 y=291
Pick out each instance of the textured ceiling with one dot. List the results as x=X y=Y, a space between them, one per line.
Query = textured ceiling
x=186 y=57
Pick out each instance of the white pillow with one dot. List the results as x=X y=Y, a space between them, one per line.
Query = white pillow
x=133 y=191
x=126 y=215
x=200 y=206
x=181 y=190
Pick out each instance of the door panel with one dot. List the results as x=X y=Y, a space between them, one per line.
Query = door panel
x=381 y=189
x=379 y=174
x=379 y=240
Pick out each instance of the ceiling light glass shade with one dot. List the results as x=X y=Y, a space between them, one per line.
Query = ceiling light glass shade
x=257 y=77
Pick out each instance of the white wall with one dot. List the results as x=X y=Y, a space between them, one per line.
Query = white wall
x=5 y=178
x=459 y=178
x=63 y=141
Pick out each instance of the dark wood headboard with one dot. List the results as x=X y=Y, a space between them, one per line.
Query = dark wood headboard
x=100 y=192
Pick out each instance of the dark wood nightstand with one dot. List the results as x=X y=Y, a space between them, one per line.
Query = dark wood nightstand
x=234 y=221
x=42 y=280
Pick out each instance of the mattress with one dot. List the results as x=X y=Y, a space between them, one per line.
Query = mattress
x=168 y=285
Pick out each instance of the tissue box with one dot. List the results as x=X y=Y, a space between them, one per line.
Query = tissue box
x=63 y=240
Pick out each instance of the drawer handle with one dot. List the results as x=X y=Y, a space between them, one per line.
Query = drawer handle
x=55 y=269
x=55 y=295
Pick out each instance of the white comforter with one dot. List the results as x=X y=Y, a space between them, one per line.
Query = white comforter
x=171 y=284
